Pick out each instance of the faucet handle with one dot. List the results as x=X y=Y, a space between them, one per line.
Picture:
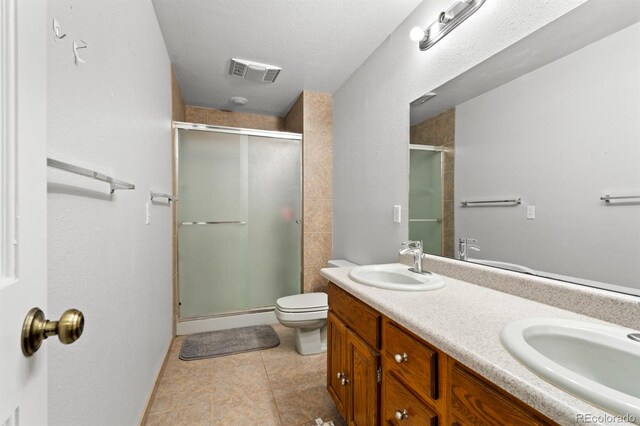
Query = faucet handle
x=413 y=244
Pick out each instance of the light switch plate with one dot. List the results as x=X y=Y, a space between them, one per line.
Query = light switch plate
x=397 y=213
x=531 y=212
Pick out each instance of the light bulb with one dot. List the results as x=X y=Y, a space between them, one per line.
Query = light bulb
x=416 y=34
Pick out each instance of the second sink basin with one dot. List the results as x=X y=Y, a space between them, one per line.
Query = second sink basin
x=595 y=362
x=395 y=277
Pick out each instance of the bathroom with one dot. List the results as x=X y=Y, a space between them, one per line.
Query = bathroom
x=177 y=170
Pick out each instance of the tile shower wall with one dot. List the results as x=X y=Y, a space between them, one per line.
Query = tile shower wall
x=439 y=130
x=177 y=103
x=312 y=114
x=217 y=117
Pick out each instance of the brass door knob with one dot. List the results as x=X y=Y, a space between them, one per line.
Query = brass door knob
x=36 y=328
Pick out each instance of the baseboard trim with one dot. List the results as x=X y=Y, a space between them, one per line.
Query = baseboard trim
x=152 y=395
x=223 y=323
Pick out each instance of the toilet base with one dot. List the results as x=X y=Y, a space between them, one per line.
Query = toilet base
x=311 y=341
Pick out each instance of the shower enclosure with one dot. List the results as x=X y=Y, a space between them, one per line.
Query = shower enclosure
x=238 y=219
x=425 y=196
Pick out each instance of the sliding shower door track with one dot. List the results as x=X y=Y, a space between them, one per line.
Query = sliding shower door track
x=229 y=313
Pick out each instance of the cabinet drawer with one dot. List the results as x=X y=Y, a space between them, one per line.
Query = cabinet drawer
x=357 y=316
x=399 y=402
x=413 y=362
x=475 y=402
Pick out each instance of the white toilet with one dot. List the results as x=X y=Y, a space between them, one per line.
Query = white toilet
x=307 y=314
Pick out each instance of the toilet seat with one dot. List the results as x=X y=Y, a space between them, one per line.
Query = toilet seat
x=301 y=303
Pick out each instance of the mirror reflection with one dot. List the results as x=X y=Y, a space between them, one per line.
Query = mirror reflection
x=531 y=160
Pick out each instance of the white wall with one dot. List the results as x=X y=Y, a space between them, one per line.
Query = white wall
x=371 y=116
x=112 y=114
x=560 y=137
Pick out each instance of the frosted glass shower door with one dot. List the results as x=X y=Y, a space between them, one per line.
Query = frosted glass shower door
x=239 y=236
x=425 y=199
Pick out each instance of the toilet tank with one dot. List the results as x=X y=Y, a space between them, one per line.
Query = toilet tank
x=339 y=263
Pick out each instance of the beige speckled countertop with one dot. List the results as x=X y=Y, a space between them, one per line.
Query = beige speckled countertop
x=464 y=320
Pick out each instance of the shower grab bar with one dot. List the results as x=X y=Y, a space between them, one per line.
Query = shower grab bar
x=514 y=201
x=239 y=222
x=153 y=195
x=426 y=220
x=607 y=198
x=113 y=183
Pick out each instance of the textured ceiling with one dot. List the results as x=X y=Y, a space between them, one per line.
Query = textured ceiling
x=318 y=44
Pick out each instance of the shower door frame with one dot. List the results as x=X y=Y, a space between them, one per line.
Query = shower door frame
x=433 y=148
x=181 y=125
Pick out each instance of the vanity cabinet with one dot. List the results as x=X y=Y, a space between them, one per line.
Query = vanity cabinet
x=378 y=372
x=353 y=360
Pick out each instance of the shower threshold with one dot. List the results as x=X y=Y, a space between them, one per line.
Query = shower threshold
x=226 y=320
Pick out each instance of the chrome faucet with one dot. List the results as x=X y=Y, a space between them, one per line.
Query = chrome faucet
x=415 y=248
x=464 y=245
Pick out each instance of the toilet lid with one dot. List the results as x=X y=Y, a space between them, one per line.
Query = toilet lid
x=303 y=302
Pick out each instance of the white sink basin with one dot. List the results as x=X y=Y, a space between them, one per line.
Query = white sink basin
x=395 y=277
x=597 y=363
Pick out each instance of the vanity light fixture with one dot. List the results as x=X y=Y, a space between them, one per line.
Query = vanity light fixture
x=446 y=22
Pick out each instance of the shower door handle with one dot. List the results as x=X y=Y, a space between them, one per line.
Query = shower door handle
x=238 y=222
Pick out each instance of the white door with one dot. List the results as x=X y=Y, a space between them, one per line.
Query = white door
x=23 y=185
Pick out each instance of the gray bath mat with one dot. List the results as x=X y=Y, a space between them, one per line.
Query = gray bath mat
x=228 y=342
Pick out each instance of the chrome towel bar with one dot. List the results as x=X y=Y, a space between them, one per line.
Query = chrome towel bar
x=239 y=222
x=153 y=195
x=607 y=198
x=514 y=201
x=113 y=183
x=426 y=220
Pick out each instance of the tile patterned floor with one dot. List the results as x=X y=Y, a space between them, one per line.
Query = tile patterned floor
x=270 y=387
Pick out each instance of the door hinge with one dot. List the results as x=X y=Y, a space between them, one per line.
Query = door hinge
x=379 y=372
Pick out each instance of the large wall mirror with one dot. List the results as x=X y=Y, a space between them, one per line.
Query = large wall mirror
x=535 y=154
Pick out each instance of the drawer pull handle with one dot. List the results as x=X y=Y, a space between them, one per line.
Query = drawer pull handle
x=401 y=414
x=401 y=358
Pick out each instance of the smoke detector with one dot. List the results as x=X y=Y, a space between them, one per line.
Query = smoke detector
x=254 y=71
x=239 y=100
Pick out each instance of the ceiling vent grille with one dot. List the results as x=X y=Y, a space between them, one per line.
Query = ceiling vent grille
x=254 y=71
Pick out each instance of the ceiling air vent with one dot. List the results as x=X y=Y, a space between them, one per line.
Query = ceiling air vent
x=253 y=71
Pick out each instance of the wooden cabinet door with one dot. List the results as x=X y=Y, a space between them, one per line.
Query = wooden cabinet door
x=363 y=389
x=336 y=362
x=474 y=402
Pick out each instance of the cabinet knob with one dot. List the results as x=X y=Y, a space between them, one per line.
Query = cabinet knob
x=401 y=358
x=343 y=378
x=401 y=414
